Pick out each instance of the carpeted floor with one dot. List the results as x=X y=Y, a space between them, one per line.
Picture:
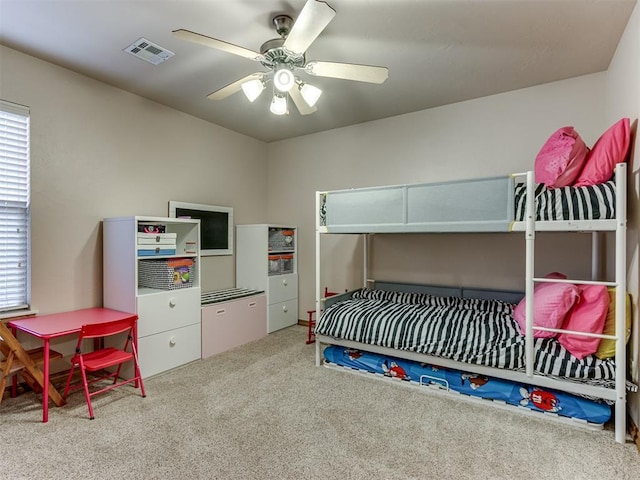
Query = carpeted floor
x=264 y=411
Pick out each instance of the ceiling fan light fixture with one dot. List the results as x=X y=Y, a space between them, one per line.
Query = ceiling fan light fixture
x=278 y=104
x=252 y=89
x=285 y=56
x=310 y=93
x=283 y=79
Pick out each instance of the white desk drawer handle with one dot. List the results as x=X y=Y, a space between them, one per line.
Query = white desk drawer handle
x=172 y=342
x=285 y=309
x=285 y=283
x=222 y=311
x=172 y=302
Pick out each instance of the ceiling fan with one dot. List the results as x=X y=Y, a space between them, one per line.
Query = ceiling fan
x=284 y=58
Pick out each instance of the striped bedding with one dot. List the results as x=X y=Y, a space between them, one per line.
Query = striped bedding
x=595 y=202
x=473 y=331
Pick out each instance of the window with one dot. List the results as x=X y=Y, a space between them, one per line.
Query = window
x=15 y=284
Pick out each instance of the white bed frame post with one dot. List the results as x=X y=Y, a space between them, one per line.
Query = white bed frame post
x=318 y=279
x=530 y=236
x=596 y=273
x=621 y=293
x=365 y=260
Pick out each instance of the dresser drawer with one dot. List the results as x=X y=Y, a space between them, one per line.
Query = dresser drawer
x=167 y=350
x=283 y=314
x=159 y=312
x=283 y=287
x=230 y=324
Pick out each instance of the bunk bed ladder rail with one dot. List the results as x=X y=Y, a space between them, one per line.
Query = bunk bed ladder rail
x=530 y=236
x=620 y=284
x=621 y=292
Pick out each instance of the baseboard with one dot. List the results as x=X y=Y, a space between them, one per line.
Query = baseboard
x=303 y=322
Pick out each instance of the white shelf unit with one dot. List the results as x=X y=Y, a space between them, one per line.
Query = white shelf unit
x=168 y=319
x=267 y=259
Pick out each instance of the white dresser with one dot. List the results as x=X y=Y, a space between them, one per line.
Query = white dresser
x=163 y=288
x=267 y=259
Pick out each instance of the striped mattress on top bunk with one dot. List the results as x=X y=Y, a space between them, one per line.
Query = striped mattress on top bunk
x=592 y=202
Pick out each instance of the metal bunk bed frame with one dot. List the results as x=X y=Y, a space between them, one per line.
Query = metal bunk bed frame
x=530 y=226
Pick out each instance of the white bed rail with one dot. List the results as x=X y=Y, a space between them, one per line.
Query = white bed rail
x=621 y=293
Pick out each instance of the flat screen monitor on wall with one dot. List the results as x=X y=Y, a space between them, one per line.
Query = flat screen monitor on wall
x=216 y=225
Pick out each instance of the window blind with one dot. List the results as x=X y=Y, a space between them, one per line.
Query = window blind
x=14 y=207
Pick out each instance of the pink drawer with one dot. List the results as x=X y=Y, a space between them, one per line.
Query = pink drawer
x=230 y=324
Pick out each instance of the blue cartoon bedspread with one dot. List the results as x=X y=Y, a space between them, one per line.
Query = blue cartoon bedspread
x=513 y=393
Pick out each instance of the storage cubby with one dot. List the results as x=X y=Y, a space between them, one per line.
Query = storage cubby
x=152 y=268
x=266 y=259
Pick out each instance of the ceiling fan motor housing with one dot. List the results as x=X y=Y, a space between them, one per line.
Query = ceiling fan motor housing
x=275 y=55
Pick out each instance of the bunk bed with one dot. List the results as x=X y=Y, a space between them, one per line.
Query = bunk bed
x=500 y=204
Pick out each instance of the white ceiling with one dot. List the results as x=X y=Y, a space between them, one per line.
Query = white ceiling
x=438 y=51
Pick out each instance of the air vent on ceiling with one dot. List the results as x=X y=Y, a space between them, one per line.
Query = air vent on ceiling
x=149 y=51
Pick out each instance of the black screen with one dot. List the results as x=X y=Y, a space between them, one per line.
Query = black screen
x=214 y=227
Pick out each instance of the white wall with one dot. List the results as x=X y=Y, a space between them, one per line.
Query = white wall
x=495 y=135
x=623 y=100
x=98 y=151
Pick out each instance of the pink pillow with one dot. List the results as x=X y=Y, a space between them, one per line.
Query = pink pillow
x=551 y=303
x=561 y=158
x=588 y=315
x=610 y=149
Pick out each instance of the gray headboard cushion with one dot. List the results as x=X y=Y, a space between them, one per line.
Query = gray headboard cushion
x=508 y=296
x=339 y=298
x=487 y=294
x=439 y=290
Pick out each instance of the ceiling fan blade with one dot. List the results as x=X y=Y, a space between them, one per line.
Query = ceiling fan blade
x=215 y=43
x=232 y=88
x=312 y=20
x=348 y=71
x=302 y=106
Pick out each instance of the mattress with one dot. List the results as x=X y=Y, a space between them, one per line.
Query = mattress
x=512 y=393
x=594 y=202
x=481 y=332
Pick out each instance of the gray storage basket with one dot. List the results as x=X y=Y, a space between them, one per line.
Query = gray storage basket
x=281 y=239
x=166 y=274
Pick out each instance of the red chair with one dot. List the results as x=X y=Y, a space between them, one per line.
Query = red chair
x=311 y=337
x=103 y=358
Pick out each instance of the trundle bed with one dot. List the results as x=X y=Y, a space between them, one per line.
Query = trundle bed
x=472 y=332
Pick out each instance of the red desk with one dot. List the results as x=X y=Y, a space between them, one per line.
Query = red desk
x=47 y=327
